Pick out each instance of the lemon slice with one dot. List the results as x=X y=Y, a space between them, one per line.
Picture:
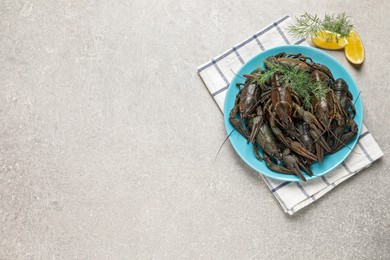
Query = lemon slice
x=329 y=40
x=354 y=51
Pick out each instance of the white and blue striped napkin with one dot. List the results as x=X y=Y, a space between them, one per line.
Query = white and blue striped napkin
x=293 y=196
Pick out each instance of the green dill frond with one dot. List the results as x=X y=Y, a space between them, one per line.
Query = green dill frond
x=320 y=89
x=268 y=73
x=309 y=24
x=273 y=67
x=297 y=80
x=339 y=24
x=260 y=79
x=306 y=25
x=307 y=102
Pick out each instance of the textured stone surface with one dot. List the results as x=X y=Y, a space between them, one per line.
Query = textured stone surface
x=108 y=137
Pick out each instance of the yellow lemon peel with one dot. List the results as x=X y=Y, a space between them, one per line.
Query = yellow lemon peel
x=354 y=51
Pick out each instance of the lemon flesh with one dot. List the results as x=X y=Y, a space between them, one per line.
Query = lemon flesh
x=354 y=51
x=329 y=40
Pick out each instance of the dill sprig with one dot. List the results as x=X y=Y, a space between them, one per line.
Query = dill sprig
x=296 y=79
x=320 y=89
x=270 y=70
x=308 y=24
x=339 y=24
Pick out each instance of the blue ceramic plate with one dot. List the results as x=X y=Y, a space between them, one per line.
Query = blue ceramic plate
x=245 y=151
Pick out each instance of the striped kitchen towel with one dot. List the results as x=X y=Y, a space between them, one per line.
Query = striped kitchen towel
x=293 y=196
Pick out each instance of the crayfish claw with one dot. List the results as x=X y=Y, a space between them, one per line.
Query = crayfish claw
x=319 y=152
x=256 y=123
x=302 y=151
x=306 y=169
x=236 y=123
x=292 y=163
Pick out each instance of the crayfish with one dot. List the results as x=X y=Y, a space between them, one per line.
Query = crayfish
x=295 y=112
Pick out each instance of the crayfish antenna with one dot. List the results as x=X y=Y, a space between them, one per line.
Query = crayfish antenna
x=220 y=148
x=357 y=98
x=338 y=139
x=237 y=75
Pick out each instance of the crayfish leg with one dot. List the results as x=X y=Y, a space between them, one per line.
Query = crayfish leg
x=319 y=139
x=305 y=168
x=257 y=122
x=256 y=151
x=319 y=152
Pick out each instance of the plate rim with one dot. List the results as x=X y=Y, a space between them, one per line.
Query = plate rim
x=279 y=176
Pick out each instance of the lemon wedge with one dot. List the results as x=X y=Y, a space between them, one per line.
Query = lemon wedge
x=354 y=51
x=329 y=40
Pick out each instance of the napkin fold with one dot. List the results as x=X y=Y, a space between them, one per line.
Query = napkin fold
x=292 y=196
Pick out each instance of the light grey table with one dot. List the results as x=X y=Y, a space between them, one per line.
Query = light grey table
x=108 y=137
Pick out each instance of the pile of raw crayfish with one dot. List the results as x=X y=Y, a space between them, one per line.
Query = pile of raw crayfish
x=292 y=132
